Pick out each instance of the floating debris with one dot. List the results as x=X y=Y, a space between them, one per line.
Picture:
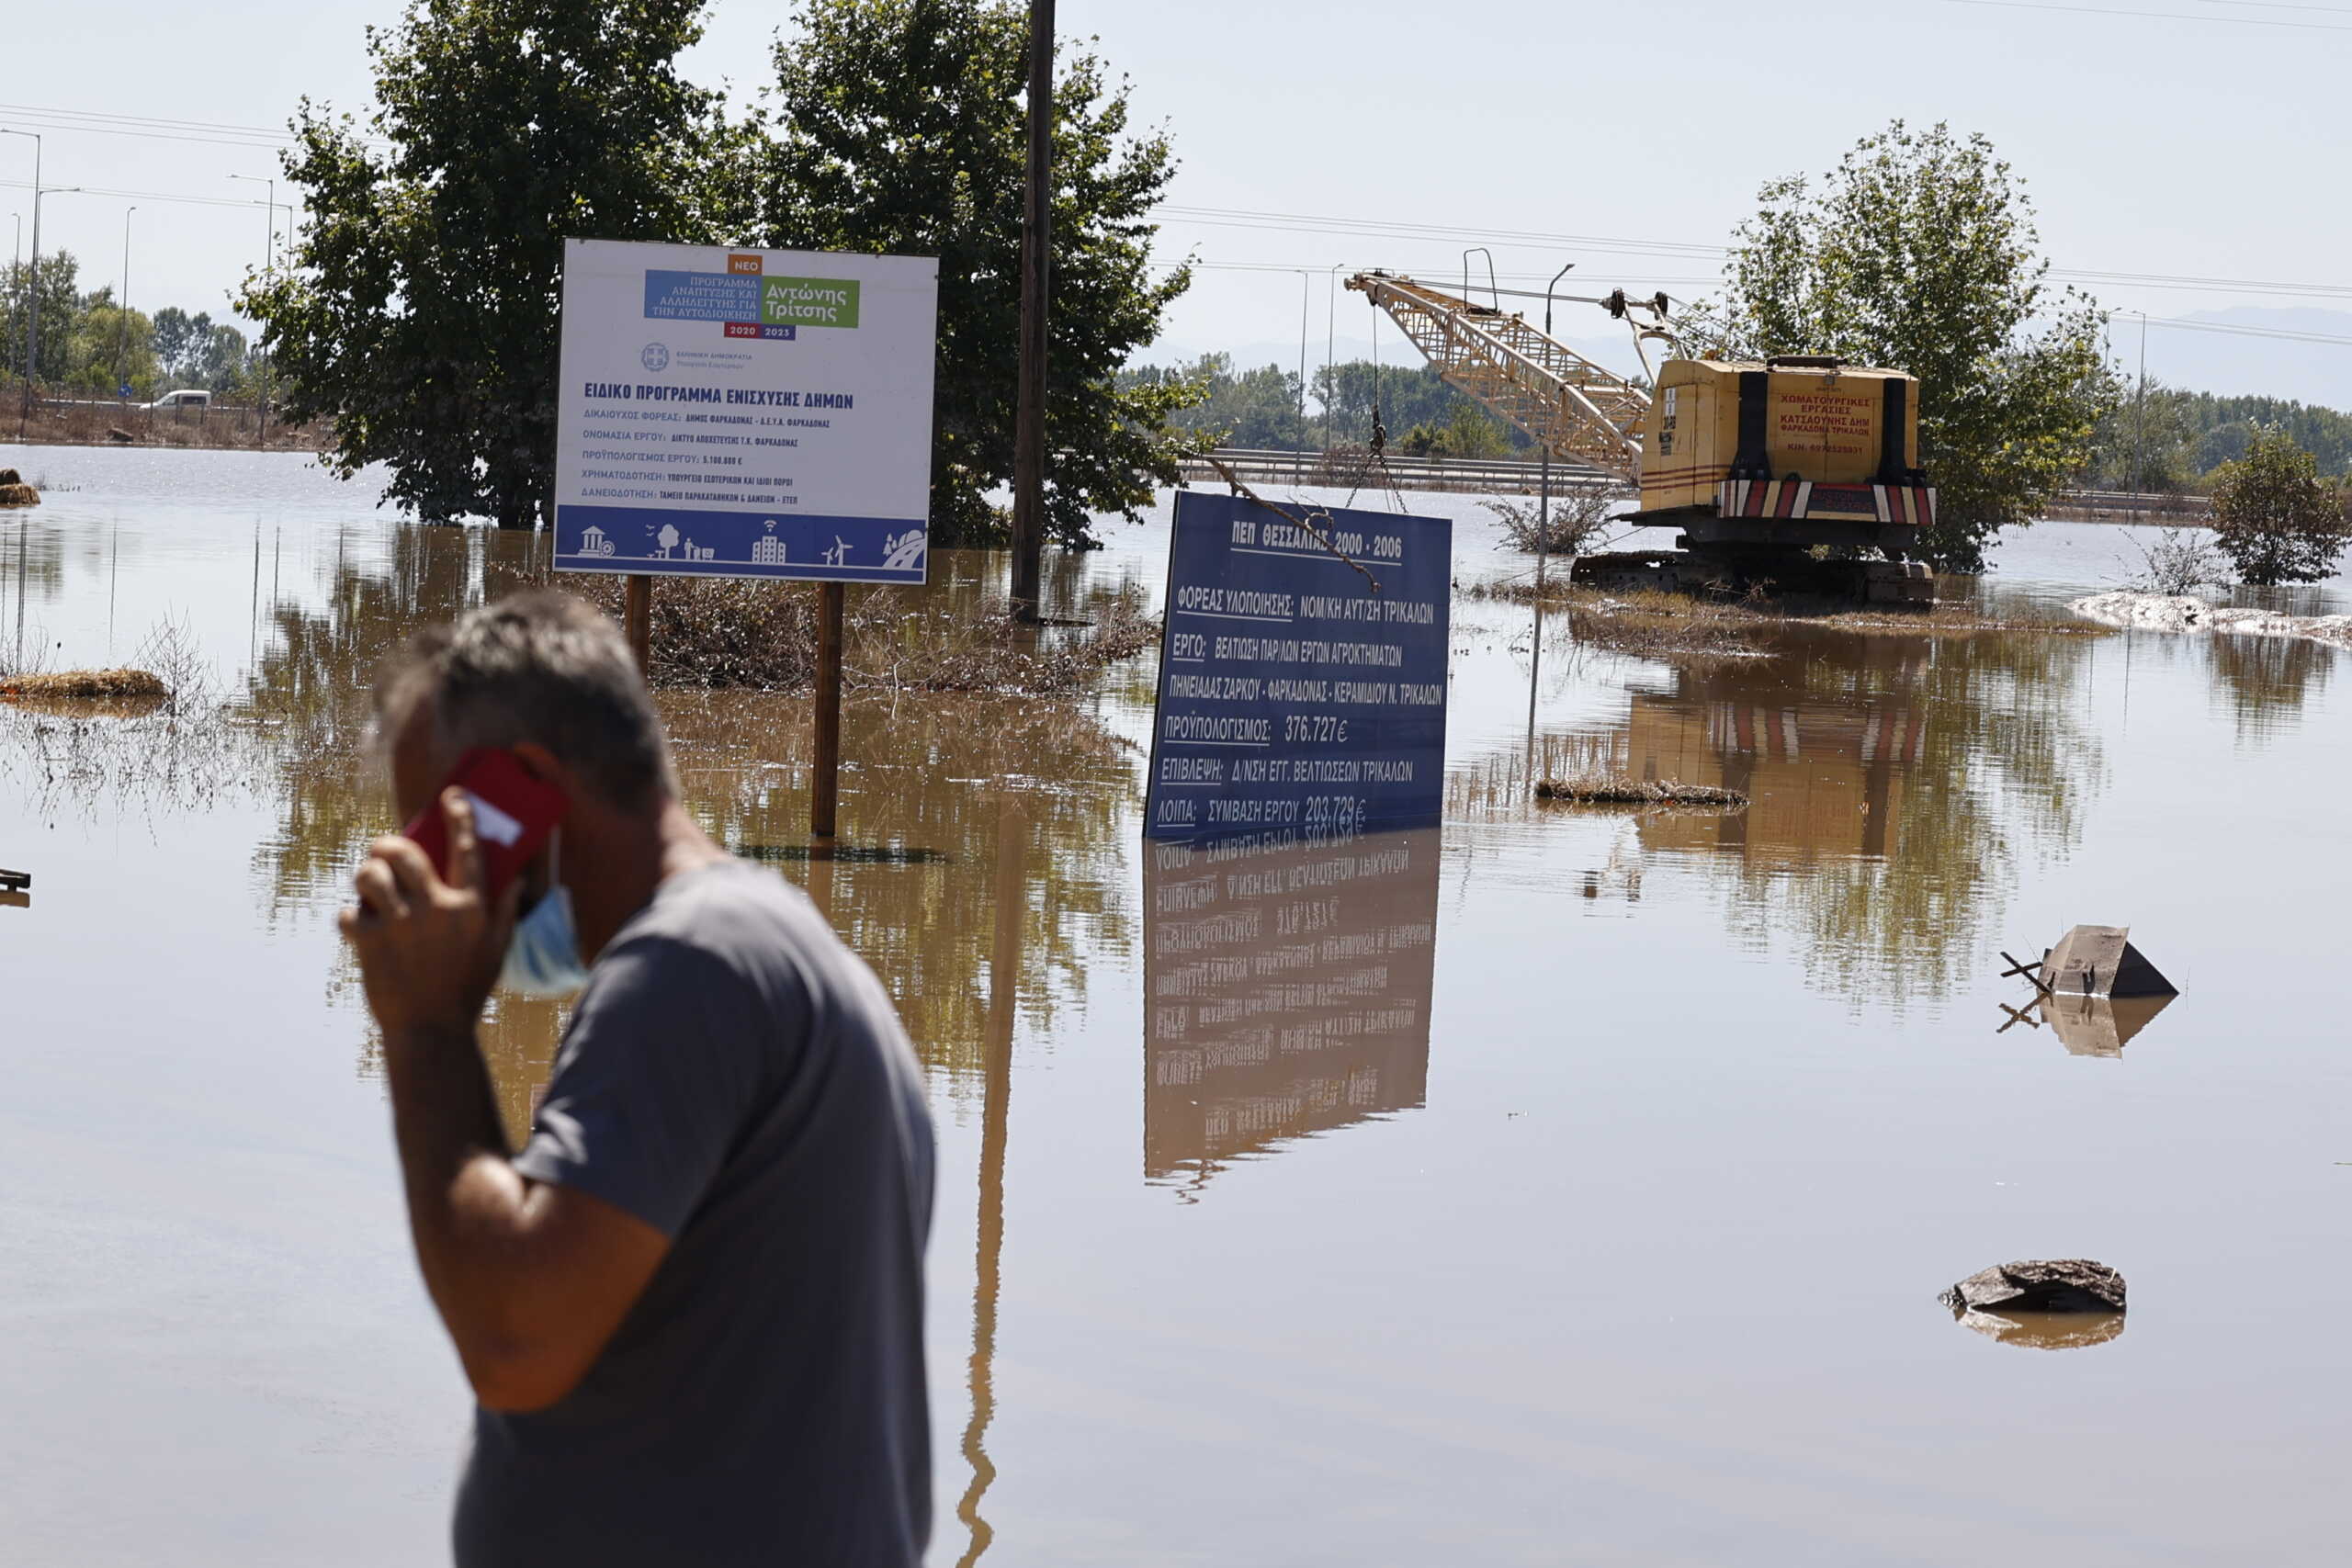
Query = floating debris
x=2056 y=1285
x=2186 y=612
x=1602 y=790
x=15 y=491
x=2099 y=960
x=15 y=881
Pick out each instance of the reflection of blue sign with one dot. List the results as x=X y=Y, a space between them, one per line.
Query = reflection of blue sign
x=739 y=544
x=1329 y=948
x=1301 y=695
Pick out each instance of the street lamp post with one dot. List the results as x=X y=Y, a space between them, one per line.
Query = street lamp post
x=32 y=285
x=1331 y=347
x=122 y=338
x=1305 y=297
x=269 y=265
x=1542 y=540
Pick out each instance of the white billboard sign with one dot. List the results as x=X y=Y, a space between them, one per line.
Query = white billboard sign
x=736 y=412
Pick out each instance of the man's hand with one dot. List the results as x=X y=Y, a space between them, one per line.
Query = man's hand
x=429 y=945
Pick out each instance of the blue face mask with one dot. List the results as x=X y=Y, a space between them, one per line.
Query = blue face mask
x=543 y=955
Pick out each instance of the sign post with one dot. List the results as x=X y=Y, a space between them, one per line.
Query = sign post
x=735 y=413
x=1302 y=674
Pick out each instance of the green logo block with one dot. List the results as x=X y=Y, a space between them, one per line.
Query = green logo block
x=809 y=301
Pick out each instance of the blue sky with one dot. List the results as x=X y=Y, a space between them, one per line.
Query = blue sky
x=2197 y=139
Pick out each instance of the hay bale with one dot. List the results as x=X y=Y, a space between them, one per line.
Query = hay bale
x=1598 y=789
x=83 y=684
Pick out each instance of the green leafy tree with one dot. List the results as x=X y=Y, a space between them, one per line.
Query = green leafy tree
x=58 y=283
x=1468 y=432
x=175 y=337
x=2273 y=516
x=1255 y=409
x=2145 y=442
x=898 y=126
x=1919 y=253
x=419 y=314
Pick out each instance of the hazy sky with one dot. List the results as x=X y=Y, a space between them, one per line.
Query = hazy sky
x=2181 y=139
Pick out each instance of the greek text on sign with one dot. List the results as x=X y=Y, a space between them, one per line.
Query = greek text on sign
x=725 y=413
x=1301 y=696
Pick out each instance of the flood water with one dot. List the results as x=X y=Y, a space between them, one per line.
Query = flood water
x=1563 y=1185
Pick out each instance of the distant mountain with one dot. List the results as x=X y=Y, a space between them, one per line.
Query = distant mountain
x=2233 y=365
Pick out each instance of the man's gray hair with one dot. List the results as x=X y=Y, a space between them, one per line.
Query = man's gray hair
x=541 y=666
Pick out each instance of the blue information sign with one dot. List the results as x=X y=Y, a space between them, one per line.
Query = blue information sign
x=1301 y=694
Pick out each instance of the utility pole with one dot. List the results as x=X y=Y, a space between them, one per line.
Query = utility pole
x=2140 y=417
x=1305 y=297
x=32 y=287
x=1330 y=349
x=1029 y=419
x=269 y=265
x=1542 y=542
x=122 y=339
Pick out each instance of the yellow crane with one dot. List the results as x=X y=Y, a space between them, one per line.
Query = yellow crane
x=1758 y=463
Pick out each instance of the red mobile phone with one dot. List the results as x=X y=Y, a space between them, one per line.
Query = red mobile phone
x=513 y=816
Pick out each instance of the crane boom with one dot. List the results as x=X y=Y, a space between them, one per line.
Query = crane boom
x=1570 y=406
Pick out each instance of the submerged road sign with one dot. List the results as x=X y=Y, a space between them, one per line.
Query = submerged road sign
x=1301 y=695
x=734 y=412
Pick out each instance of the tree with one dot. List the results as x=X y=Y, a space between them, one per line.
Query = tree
x=899 y=127
x=419 y=313
x=2274 y=518
x=2145 y=442
x=1919 y=253
x=1469 y=430
x=176 y=335
x=61 y=305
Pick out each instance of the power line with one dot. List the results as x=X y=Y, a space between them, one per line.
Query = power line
x=2159 y=15
x=1305 y=223
x=146 y=194
x=158 y=127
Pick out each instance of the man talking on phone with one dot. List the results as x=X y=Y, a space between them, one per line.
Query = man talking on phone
x=691 y=1304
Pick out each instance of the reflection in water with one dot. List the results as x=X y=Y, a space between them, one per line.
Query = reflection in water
x=914 y=772
x=2099 y=1026
x=2045 y=1330
x=931 y=787
x=1004 y=990
x=1288 y=989
x=2271 y=678
x=1898 y=786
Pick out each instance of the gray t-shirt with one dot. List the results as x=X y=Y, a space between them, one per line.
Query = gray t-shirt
x=737 y=1078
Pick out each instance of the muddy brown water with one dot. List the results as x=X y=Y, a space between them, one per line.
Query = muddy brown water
x=1561 y=1185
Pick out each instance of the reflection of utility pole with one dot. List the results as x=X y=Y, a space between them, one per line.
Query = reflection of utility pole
x=1004 y=996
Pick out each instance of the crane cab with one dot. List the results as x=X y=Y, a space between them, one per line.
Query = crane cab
x=1790 y=453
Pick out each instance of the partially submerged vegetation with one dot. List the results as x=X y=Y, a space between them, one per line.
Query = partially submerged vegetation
x=1655 y=624
x=84 y=683
x=1611 y=789
x=716 y=633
